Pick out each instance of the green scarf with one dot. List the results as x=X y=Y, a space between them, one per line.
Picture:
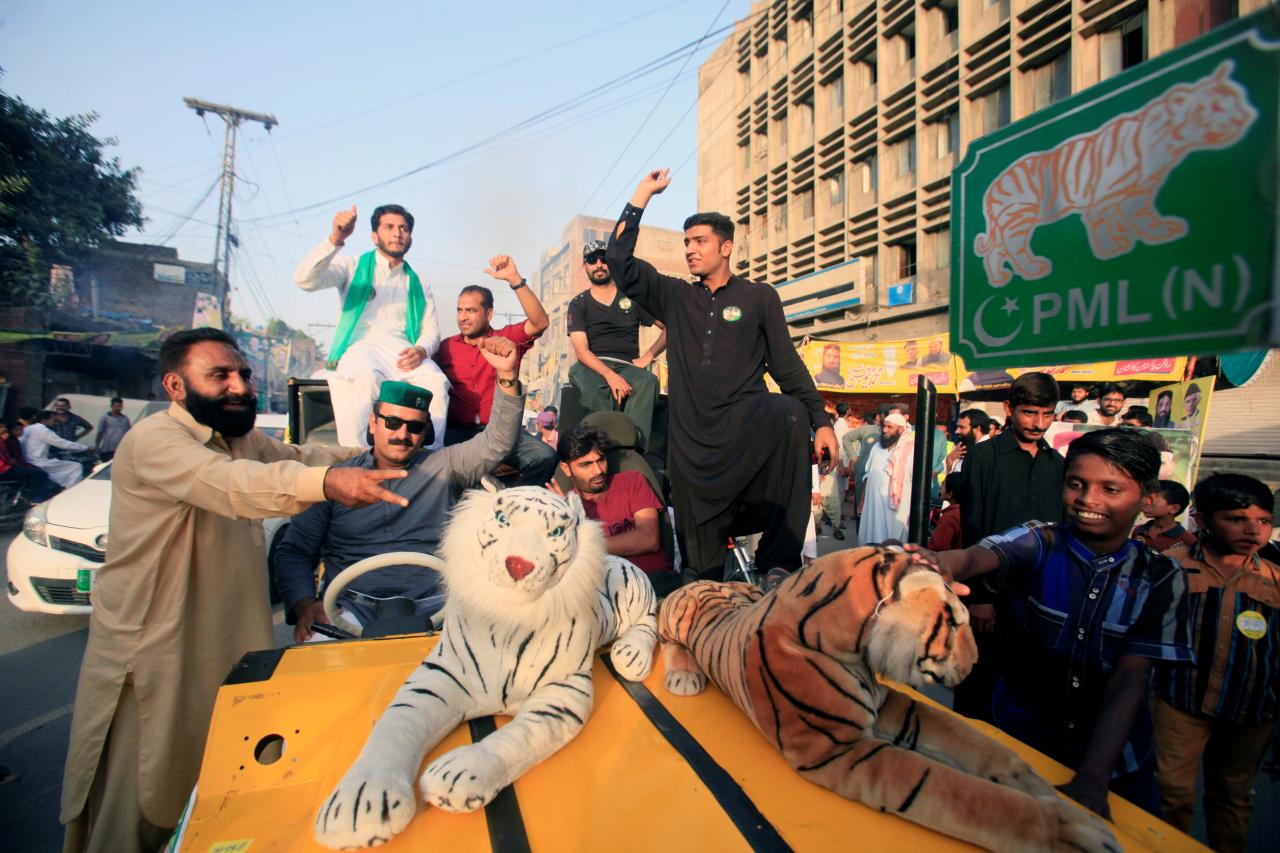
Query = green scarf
x=358 y=293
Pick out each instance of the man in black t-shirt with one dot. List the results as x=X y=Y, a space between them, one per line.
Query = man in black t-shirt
x=604 y=327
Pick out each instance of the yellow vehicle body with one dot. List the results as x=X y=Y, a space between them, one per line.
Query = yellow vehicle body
x=650 y=771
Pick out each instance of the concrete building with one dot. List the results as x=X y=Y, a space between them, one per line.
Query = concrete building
x=100 y=331
x=562 y=277
x=828 y=130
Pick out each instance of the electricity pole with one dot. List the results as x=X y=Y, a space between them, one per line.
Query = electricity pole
x=232 y=116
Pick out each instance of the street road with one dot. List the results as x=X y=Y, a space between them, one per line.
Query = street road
x=40 y=659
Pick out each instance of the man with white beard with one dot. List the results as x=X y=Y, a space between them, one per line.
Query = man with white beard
x=886 y=501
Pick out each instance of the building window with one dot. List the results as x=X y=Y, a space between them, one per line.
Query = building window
x=804 y=108
x=806 y=203
x=869 y=176
x=942 y=247
x=906 y=260
x=906 y=153
x=950 y=10
x=835 y=188
x=780 y=217
x=1052 y=80
x=995 y=109
x=1123 y=47
x=835 y=92
x=948 y=133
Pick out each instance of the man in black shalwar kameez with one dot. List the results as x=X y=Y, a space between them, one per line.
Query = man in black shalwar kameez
x=738 y=456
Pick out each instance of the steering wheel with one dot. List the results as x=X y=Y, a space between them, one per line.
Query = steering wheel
x=371 y=564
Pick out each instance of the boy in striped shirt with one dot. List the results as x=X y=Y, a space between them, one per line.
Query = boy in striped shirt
x=1223 y=709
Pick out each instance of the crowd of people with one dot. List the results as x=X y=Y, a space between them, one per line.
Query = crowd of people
x=1138 y=654
x=1076 y=614
x=41 y=453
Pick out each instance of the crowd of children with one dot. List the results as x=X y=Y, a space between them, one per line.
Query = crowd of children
x=1139 y=657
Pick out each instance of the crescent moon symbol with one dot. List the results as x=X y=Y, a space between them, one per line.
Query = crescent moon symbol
x=983 y=335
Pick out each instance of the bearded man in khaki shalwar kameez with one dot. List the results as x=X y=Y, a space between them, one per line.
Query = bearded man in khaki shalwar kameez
x=183 y=593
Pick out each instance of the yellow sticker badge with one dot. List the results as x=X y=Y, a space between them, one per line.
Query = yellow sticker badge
x=625 y=304
x=1252 y=624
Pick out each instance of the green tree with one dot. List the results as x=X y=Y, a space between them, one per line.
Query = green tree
x=60 y=196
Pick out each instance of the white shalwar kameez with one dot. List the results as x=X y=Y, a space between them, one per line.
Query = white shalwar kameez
x=36 y=440
x=376 y=342
x=879 y=520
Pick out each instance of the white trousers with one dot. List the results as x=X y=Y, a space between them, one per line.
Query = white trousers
x=64 y=472
x=355 y=384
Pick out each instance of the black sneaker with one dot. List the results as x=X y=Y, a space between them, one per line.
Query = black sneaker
x=838 y=533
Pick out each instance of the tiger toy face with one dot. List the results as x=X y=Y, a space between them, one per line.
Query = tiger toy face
x=525 y=538
x=921 y=634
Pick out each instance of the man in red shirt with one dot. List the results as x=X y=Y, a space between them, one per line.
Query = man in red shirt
x=473 y=379
x=623 y=502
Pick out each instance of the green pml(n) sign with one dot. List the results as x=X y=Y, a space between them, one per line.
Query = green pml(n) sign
x=1137 y=218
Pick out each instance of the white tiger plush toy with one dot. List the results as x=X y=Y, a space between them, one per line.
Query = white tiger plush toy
x=532 y=595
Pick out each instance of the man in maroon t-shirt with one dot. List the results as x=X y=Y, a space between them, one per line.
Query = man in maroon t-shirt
x=623 y=502
x=472 y=377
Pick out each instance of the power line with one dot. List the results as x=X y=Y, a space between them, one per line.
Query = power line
x=535 y=54
x=538 y=118
x=652 y=110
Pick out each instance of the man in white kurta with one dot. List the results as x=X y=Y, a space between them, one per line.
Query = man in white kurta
x=37 y=439
x=882 y=517
x=378 y=344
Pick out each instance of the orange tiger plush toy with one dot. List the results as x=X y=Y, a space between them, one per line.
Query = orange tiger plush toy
x=802 y=662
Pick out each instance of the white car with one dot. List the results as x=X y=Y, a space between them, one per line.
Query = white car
x=52 y=563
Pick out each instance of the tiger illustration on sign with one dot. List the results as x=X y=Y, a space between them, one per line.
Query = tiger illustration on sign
x=532 y=595
x=802 y=662
x=1110 y=176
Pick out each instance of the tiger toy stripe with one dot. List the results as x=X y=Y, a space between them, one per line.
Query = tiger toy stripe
x=532 y=595
x=801 y=662
x=1110 y=176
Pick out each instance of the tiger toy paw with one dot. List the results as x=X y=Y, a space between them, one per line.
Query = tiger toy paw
x=684 y=677
x=685 y=683
x=463 y=779
x=1077 y=829
x=632 y=656
x=366 y=809
x=1015 y=773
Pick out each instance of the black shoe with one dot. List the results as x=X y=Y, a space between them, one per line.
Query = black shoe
x=838 y=533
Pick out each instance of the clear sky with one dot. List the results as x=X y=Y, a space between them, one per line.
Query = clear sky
x=365 y=94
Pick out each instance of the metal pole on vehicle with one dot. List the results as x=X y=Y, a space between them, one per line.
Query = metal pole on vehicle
x=922 y=460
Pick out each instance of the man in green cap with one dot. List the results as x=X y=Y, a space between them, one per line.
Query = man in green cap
x=387 y=328
x=399 y=431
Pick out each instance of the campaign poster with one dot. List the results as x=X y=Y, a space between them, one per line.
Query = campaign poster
x=1184 y=405
x=880 y=367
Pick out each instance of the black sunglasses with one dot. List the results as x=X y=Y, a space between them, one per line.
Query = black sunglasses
x=594 y=258
x=394 y=423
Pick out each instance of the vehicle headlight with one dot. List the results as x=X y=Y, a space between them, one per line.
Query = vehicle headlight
x=33 y=525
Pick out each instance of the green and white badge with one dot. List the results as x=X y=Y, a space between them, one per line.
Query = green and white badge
x=625 y=304
x=1252 y=624
x=731 y=314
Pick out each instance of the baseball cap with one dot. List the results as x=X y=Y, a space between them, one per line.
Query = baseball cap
x=593 y=247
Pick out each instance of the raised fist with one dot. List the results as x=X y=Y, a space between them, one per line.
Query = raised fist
x=503 y=268
x=655 y=182
x=499 y=352
x=344 y=225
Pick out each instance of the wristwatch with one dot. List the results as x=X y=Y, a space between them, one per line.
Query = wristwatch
x=507 y=383
x=523 y=282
